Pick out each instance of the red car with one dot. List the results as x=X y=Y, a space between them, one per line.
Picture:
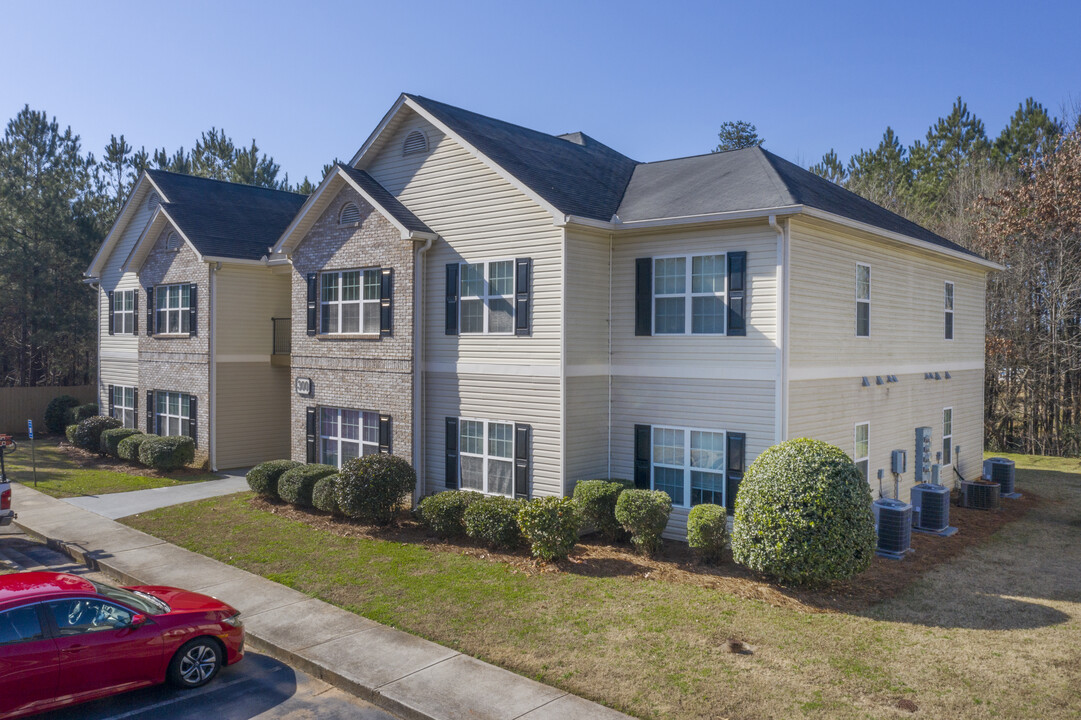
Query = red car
x=65 y=639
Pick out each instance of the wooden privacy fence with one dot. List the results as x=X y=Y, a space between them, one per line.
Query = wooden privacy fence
x=19 y=404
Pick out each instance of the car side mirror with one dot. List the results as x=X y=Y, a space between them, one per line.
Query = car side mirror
x=138 y=620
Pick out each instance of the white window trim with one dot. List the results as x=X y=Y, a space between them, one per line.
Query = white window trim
x=182 y=310
x=686 y=467
x=486 y=298
x=361 y=442
x=689 y=295
x=866 y=301
x=120 y=408
x=855 y=445
x=340 y=304
x=485 y=457
x=946 y=437
x=123 y=314
x=949 y=310
x=161 y=419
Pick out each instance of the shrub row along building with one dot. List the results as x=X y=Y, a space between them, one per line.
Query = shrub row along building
x=514 y=311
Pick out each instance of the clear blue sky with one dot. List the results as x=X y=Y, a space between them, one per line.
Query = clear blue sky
x=309 y=80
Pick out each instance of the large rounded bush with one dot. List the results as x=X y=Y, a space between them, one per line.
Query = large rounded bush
x=263 y=478
x=644 y=514
x=69 y=432
x=371 y=488
x=110 y=439
x=295 y=486
x=81 y=412
x=550 y=524
x=128 y=448
x=596 y=501
x=325 y=494
x=707 y=531
x=167 y=453
x=56 y=413
x=493 y=519
x=88 y=433
x=803 y=514
x=444 y=513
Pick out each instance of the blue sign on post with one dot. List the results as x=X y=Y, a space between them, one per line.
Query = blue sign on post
x=30 y=427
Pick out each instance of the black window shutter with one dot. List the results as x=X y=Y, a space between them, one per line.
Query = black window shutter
x=111 y=313
x=386 y=306
x=734 y=470
x=642 y=438
x=313 y=302
x=150 y=311
x=134 y=312
x=384 y=434
x=522 y=435
x=737 y=280
x=452 y=452
x=643 y=296
x=451 y=324
x=193 y=310
x=150 y=412
x=193 y=419
x=112 y=403
x=523 y=281
x=310 y=434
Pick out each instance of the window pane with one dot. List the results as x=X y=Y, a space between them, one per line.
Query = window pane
x=350 y=450
x=350 y=317
x=669 y=480
x=707 y=450
x=20 y=625
x=707 y=274
x=371 y=285
x=129 y=418
x=371 y=317
x=351 y=285
x=947 y=447
x=185 y=405
x=129 y=301
x=330 y=452
x=330 y=287
x=473 y=473
x=670 y=315
x=174 y=296
x=862 y=440
x=174 y=403
x=329 y=323
x=371 y=427
x=328 y=422
x=350 y=424
x=947 y=422
x=707 y=315
x=863 y=282
x=174 y=321
x=472 y=316
x=185 y=296
x=501 y=278
x=863 y=319
x=185 y=321
x=499 y=439
x=500 y=477
x=862 y=465
x=707 y=487
x=500 y=315
x=949 y=296
x=370 y=450
x=473 y=280
x=668 y=446
x=670 y=276
x=472 y=437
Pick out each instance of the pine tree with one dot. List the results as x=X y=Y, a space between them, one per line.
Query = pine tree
x=116 y=165
x=952 y=142
x=830 y=168
x=882 y=175
x=251 y=169
x=736 y=134
x=1030 y=133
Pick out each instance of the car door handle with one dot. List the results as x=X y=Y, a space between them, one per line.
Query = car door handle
x=74 y=649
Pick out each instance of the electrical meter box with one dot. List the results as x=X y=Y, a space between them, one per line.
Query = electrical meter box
x=898 y=462
x=923 y=455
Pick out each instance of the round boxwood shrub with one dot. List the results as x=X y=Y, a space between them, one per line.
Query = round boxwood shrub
x=644 y=514
x=444 y=513
x=550 y=524
x=167 y=453
x=707 y=531
x=81 y=412
x=263 y=478
x=596 y=501
x=110 y=439
x=88 y=432
x=56 y=413
x=371 y=488
x=325 y=494
x=803 y=514
x=493 y=519
x=295 y=485
x=69 y=431
x=128 y=448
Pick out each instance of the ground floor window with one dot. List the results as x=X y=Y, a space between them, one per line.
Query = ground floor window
x=689 y=465
x=122 y=405
x=947 y=436
x=486 y=452
x=346 y=434
x=862 y=452
x=173 y=413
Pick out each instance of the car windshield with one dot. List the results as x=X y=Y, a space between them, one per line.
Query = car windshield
x=146 y=604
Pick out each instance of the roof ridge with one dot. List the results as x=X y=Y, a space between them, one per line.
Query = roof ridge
x=711 y=153
x=223 y=182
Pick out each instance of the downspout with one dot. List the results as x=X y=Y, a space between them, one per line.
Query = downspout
x=610 y=257
x=212 y=351
x=780 y=420
x=418 y=368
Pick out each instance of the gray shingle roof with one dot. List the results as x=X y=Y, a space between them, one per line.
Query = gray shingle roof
x=224 y=219
x=387 y=202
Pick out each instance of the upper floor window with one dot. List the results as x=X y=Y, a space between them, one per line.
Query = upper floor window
x=174 y=305
x=346 y=434
x=862 y=450
x=691 y=295
x=947 y=436
x=122 y=312
x=949 y=310
x=863 y=300
x=415 y=142
x=349 y=302
x=487 y=297
x=350 y=214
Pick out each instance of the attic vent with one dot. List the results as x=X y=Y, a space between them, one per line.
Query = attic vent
x=172 y=242
x=350 y=214
x=152 y=202
x=415 y=142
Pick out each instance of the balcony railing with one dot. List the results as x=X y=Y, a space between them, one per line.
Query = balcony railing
x=283 y=332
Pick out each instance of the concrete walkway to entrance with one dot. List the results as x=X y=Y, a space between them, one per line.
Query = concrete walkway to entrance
x=409 y=676
x=118 y=505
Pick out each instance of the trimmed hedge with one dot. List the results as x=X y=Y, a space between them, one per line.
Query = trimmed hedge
x=493 y=519
x=644 y=514
x=372 y=487
x=88 y=432
x=167 y=453
x=325 y=494
x=110 y=439
x=707 y=531
x=295 y=485
x=81 y=412
x=444 y=513
x=263 y=478
x=56 y=413
x=596 y=501
x=128 y=448
x=69 y=431
x=803 y=514
x=550 y=524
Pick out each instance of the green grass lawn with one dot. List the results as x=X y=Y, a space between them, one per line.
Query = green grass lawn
x=62 y=475
x=993 y=633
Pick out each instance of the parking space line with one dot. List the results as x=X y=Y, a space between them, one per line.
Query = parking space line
x=186 y=696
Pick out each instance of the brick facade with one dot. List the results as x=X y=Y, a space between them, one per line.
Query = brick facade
x=369 y=373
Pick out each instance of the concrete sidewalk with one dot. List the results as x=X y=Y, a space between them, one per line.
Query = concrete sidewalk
x=118 y=505
x=405 y=674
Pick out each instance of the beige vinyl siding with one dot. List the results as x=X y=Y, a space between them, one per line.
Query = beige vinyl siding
x=731 y=405
x=251 y=413
x=756 y=353
x=586 y=301
x=828 y=410
x=587 y=429
x=247 y=299
x=124 y=372
x=907 y=305
x=534 y=401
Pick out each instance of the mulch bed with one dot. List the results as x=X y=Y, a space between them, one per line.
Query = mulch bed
x=677 y=564
x=93 y=461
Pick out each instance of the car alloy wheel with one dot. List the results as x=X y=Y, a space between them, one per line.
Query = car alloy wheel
x=195 y=664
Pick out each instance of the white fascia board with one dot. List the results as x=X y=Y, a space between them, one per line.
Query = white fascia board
x=405 y=232
x=120 y=225
x=378 y=130
x=233 y=261
x=284 y=245
x=135 y=260
x=153 y=226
